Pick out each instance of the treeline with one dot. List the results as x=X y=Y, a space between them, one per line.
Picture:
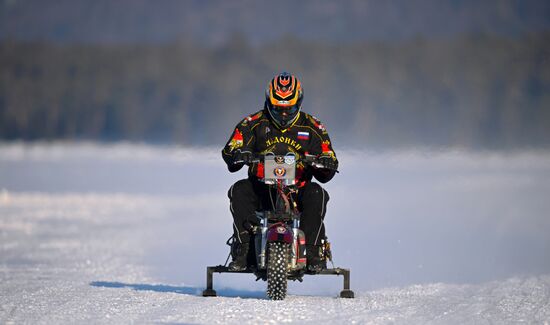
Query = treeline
x=478 y=91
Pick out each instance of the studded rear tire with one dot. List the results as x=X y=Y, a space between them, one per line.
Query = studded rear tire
x=277 y=269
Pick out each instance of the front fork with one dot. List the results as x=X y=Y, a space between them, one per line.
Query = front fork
x=264 y=230
x=294 y=253
x=263 y=240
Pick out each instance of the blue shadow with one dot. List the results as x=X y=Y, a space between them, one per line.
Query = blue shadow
x=225 y=292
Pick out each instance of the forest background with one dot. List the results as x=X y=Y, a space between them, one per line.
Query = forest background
x=379 y=74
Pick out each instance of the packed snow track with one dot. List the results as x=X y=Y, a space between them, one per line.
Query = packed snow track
x=123 y=233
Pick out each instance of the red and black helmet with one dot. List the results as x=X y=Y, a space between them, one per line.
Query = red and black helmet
x=283 y=99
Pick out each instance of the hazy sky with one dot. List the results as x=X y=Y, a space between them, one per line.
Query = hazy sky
x=213 y=22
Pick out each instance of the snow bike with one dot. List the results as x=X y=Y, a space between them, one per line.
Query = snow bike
x=278 y=252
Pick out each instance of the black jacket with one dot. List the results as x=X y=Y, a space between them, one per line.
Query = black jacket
x=259 y=135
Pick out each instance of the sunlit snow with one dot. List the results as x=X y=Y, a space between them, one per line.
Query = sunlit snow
x=122 y=233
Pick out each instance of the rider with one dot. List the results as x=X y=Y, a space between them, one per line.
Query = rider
x=279 y=128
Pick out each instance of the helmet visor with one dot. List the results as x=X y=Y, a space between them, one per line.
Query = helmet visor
x=284 y=114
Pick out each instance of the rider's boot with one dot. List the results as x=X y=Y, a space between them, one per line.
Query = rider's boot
x=239 y=254
x=315 y=258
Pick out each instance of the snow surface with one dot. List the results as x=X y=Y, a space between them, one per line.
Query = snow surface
x=122 y=233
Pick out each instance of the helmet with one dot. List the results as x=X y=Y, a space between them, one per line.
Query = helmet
x=283 y=99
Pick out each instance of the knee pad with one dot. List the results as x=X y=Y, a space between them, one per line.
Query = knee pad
x=241 y=187
x=314 y=190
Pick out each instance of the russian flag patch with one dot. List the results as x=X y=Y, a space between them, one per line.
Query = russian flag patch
x=303 y=135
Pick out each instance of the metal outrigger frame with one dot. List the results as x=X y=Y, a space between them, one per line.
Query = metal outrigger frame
x=210 y=270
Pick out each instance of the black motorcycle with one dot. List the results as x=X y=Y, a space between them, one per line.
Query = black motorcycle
x=278 y=251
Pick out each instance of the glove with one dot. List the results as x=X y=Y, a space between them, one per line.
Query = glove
x=328 y=162
x=242 y=157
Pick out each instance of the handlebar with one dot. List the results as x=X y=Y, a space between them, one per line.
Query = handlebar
x=307 y=159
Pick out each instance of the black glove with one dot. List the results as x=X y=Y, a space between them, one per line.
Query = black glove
x=242 y=157
x=328 y=162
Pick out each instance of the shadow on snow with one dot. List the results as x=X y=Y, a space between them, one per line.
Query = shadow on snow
x=226 y=292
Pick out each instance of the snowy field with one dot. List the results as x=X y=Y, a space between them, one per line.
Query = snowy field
x=122 y=233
